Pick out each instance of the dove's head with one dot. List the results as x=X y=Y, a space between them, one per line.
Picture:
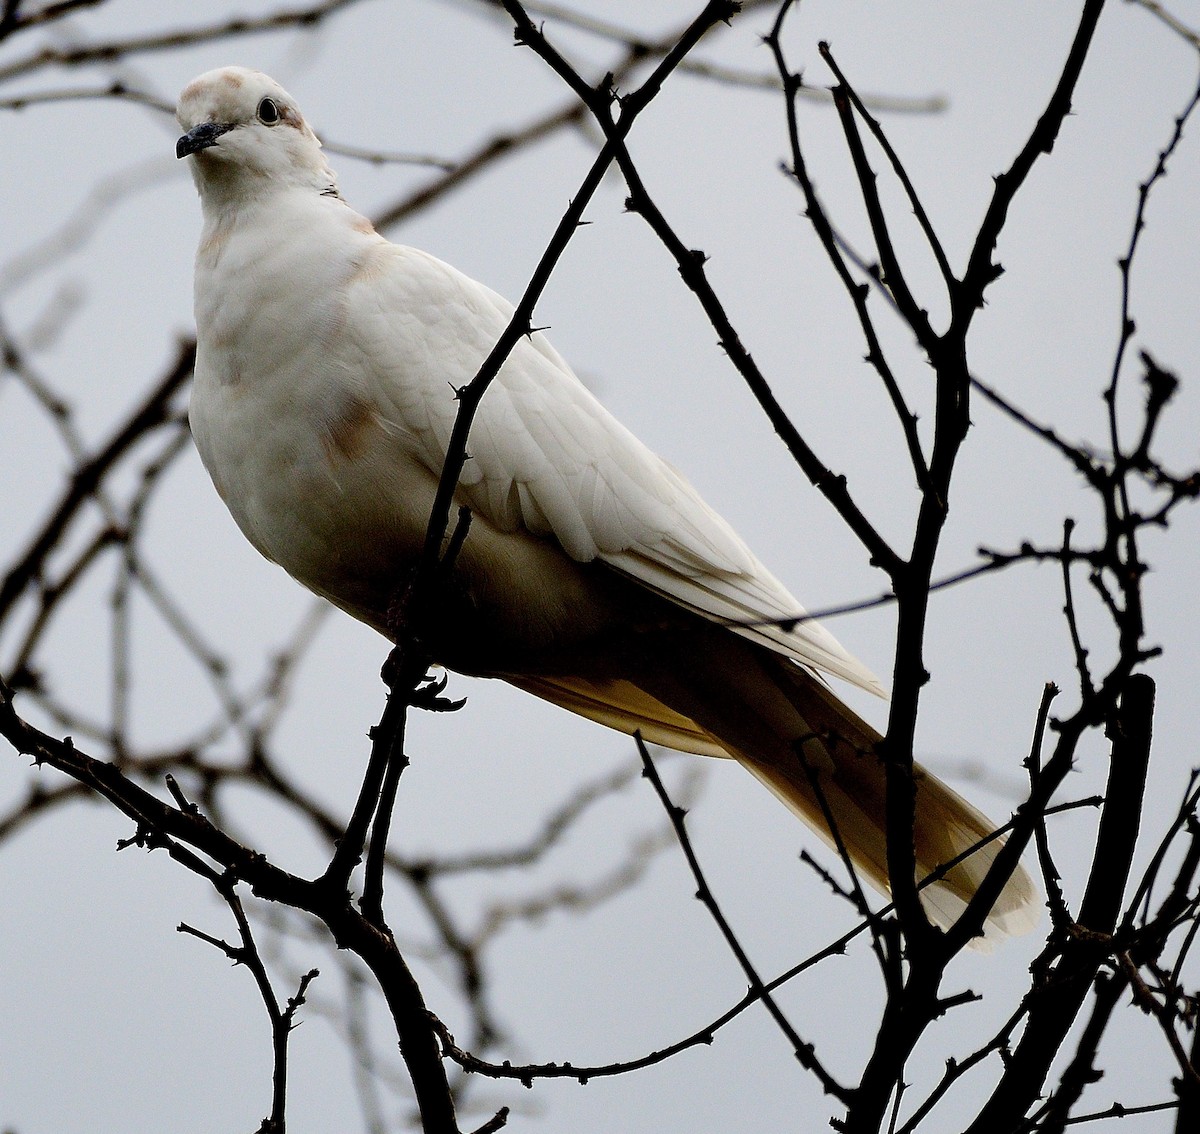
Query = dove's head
x=240 y=126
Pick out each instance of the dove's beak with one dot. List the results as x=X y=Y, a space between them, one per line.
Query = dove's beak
x=201 y=137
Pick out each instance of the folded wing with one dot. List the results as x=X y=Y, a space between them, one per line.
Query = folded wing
x=545 y=456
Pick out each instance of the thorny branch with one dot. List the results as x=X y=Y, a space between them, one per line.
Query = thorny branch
x=916 y=1003
x=1101 y=951
x=803 y=1052
x=282 y=1018
x=328 y=898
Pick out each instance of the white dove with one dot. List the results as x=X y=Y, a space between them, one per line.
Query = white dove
x=593 y=575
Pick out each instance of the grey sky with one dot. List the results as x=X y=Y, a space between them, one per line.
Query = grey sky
x=111 y=1021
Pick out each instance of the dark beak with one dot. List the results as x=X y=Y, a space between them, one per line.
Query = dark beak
x=201 y=137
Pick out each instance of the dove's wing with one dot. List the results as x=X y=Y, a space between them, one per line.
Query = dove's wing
x=546 y=457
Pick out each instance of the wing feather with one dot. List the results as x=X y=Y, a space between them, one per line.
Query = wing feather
x=546 y=456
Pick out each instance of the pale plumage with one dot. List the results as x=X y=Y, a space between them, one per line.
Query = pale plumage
x=593 y=575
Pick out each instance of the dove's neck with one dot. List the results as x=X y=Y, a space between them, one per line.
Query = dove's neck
x=226 y=188
x=265 y=209
x=288 y=247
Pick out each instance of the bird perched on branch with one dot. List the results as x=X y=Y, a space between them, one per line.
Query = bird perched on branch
x=592 y=574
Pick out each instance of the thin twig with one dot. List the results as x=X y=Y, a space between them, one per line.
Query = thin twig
x=803 y=1052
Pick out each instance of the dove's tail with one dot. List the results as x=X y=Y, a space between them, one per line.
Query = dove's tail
x=850 y=780
x=788 y=728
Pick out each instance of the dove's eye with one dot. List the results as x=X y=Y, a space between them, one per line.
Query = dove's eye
x=268 y=112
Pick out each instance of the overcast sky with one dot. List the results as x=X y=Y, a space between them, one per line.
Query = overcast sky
x=111 y=1021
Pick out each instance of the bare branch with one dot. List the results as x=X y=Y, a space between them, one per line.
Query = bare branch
x=803 y=1052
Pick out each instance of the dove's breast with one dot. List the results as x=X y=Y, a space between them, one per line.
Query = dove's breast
x=324 y=396
x=291 y=438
